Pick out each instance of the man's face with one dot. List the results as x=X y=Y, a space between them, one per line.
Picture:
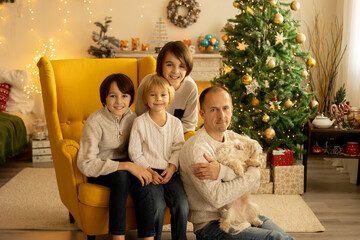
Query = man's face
x=216 y=111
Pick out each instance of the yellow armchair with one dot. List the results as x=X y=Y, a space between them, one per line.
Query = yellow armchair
x=70 y=90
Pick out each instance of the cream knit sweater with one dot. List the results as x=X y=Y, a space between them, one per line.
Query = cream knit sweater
x=153 y=146
x=185 y=100
x=104 y=138
x=207 y=196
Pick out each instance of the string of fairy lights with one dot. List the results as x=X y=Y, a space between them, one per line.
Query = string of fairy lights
x=47 y=47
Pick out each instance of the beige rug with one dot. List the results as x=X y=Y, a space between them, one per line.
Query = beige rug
x=31 y=201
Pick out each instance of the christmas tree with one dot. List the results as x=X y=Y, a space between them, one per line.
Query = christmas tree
x=266 y=72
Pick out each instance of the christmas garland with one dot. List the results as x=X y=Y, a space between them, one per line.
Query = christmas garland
x=181 y=21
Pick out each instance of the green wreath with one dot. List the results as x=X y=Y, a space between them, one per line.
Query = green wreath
x=179 y=20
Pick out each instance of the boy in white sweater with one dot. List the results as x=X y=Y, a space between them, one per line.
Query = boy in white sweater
x=155 y=142
x=210 y=185
x=174 y=63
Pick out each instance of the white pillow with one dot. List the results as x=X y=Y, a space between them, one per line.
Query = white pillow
x=18 y=100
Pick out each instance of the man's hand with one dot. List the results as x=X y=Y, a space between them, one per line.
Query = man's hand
x=208 y=170
x=168 y=173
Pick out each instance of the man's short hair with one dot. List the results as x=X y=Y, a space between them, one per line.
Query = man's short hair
x=215 y=88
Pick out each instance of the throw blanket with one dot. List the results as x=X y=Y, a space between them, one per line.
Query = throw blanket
x=12 y=136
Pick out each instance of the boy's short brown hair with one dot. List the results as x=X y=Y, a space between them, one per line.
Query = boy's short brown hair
x=123 y=82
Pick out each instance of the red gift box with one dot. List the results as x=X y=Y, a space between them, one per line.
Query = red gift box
x=282 y=157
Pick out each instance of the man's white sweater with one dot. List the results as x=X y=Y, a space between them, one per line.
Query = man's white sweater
x=104 y=138
x=207 y=196
x=153 y=146
x=184 y=105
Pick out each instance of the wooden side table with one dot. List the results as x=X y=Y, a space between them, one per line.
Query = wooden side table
x=336 y=135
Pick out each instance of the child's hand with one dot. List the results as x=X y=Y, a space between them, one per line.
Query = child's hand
x=156 y=178
x=168 y=173
x=141 y=173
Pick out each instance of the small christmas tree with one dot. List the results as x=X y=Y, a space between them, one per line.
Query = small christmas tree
x=160 y=35
x=106 y=45
x=265 y=72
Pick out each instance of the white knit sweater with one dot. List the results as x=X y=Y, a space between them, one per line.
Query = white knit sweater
x=104 y=138
x=185 y=100
x=207 y=196
x=153 y=146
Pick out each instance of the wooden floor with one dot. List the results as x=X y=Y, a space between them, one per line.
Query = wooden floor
x=333 y=199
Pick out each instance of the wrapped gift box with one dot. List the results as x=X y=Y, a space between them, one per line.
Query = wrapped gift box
x=266 y=188
x=265 y=177
x=282 y=157
x=288 y=179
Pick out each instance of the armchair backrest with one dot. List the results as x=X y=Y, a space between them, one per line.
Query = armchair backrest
x=75 y=87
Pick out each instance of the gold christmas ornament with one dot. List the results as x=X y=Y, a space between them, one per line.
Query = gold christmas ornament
x=272 y=106
x=288 y=103
x=246 y=79
x=278 y=18
x=311 y=62
x=269 y=133
x=271 y=63
x=314 y=103
x=304 y=73
x=295 y=5
x=209 y=48
x=266 y=118
x=273 y=2
x=201 y=48
x=255 y=102
x=300 y=38
x=200 y=39
x=225 y=38
x=236 y=4
x=213 y=41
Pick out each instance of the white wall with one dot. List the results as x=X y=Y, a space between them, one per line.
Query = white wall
x=21 y=37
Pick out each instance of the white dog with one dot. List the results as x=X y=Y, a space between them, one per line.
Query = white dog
x=239 y=155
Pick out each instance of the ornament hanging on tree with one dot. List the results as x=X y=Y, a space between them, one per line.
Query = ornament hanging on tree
x=314 y=103
x=265 y=118
x=279 y=38
x=242 y=46
x=236 y=4
x=278 y=18
x=225 y=38
x=251 y=88
x=295 y=5
x=311 y=62
x=271 y=63
x=288 y=103
x=273 y=2
x=255 y=102
x=269 y=133
x=304 y=73
x=246 y=79
x=300 y=38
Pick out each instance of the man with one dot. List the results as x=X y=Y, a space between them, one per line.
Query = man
x=210 y=185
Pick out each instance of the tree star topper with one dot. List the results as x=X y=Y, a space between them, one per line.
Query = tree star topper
x=279 y=38
x=242 y=46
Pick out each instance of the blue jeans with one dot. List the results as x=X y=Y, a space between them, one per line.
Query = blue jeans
x=120 y=183
x=267 y=231
x=173 y=195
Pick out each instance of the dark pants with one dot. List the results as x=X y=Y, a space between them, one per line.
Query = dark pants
x=120 y=183
x=173 y=195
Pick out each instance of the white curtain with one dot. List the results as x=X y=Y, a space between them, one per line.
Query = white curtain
x=350 y=70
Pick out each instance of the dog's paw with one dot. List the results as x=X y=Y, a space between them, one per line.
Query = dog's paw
x=257 y=222
x=225 y=226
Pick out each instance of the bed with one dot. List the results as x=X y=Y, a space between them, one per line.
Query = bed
x=16 y=113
